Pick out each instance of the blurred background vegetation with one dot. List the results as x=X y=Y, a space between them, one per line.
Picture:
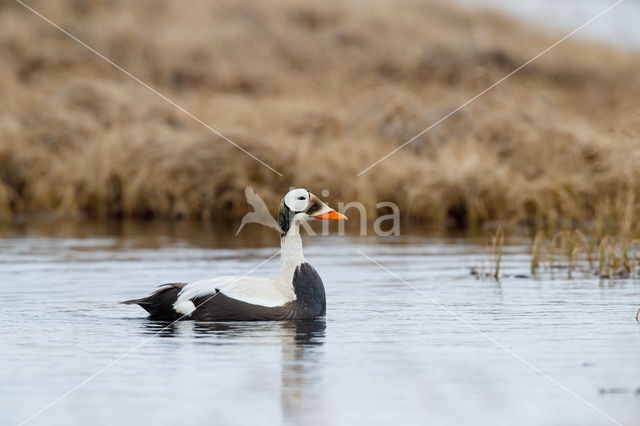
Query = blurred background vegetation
x=319 y=91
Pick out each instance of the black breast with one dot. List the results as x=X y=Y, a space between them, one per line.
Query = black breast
x=310 y=298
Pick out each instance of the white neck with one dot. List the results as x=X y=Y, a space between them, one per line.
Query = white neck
x=290 y=257
x=291 y=250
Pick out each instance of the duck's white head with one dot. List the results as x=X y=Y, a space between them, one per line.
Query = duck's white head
x=299 y=205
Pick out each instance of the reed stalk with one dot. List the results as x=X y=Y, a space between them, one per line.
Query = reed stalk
x=495 y=247
x=535 y=252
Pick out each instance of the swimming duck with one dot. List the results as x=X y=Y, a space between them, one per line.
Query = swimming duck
x=295 y=293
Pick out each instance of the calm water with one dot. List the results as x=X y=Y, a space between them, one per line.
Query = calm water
x=384 y=354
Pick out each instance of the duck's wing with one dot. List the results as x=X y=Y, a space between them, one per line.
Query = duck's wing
x=232 y=298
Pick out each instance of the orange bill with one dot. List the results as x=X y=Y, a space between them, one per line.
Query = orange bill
x=331 y=215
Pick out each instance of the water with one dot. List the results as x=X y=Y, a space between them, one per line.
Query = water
x=384 y=354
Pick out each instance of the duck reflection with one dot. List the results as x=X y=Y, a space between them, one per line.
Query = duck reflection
x=301 y=348
x=301 y=359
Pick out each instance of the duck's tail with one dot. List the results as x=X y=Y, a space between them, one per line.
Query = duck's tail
x=144 y=300
x=160 y=302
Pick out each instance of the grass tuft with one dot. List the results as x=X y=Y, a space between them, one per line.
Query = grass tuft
x=617 y=257
x=495 y=246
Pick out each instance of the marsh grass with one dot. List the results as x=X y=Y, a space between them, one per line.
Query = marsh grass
x=536 y=252
x=609 y=257
x=494 y=246
x=319 y=91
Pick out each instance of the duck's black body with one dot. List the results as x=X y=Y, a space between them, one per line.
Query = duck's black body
x=310 y=302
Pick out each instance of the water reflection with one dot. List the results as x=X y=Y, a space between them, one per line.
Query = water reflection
x=301 y=360
x=160 y=328
x=301 y=352
x=200 y=330
x=303 y=333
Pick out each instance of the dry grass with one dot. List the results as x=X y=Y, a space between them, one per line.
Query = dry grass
x=494 y=245
x=606 y=257
x=319 y=91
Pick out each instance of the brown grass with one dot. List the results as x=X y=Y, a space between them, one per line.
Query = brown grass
x=494 y=245
x=606 y=257
x=319 y=91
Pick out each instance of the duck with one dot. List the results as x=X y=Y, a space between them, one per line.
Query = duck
x=296 y=293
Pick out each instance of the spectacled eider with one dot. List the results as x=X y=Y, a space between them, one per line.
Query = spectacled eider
x=296 y=293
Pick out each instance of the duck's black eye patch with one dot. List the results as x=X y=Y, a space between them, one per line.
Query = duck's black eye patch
x=314 y=207
x=301 y=198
